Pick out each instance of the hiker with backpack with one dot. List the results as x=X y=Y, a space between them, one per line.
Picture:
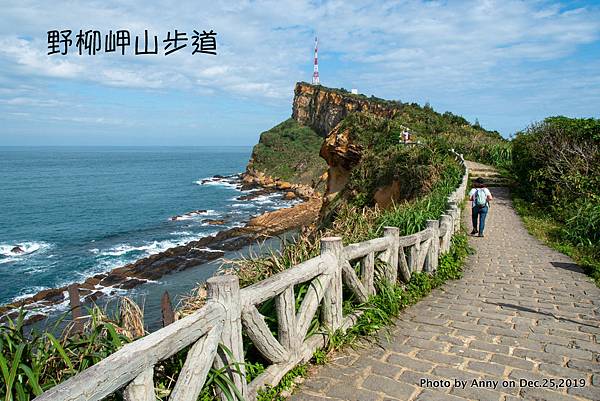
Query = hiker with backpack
x=480 y=198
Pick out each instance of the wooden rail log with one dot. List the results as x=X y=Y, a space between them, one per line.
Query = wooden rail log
x=287 y=328
x=260 y=334
x=270 y=287
x=433 y=252
x=314 y=295
x=393 y=236
x=355 y=251
x=409 y=240
x=142 y=387
x=446 y=231
x=403 y=266
x=199 y=359
x=352 y=281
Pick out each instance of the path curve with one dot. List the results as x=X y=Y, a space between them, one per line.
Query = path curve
x=522 y=312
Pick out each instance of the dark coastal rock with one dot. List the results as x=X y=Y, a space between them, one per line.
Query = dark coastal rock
x=112 y=279
x=34 y=318
x=131 y=283
x=256 y=194
x=12 y=315
x=17 y=249
x=235 y=243
x=92 y=282
x=193 y=213
x=247 y=186
x=94 y=296
x=53 y=295
x=218 y=222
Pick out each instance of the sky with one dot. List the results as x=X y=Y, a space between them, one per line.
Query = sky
x=505 y=63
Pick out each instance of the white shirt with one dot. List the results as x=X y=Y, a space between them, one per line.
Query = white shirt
x=474 y=190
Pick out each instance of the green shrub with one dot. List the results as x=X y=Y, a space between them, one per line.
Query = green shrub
x=557 y=162
x=290 y=151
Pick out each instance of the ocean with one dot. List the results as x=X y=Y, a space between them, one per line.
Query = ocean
x=79 y=211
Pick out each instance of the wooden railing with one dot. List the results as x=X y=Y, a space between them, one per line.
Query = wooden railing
x=231 y=311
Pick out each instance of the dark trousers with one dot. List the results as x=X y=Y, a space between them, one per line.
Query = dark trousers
x=479 y=213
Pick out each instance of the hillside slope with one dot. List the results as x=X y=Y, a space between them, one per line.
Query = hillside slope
x=326 y=124
x=290 y=152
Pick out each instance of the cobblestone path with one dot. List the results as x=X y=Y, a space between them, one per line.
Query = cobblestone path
x=522 y=313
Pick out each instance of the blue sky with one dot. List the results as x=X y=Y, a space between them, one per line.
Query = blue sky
x=506 y=63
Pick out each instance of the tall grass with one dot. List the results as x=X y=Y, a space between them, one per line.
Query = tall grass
x=32 y=362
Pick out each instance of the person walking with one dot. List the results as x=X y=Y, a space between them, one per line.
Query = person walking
x=405 y=136
x=480 y=198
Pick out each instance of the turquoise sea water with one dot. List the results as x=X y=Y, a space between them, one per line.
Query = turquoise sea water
x=80 y=211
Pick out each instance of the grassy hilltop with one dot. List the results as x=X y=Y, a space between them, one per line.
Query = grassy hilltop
x=290 y=151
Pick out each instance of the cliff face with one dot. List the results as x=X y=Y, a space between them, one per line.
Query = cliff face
x=322 y=108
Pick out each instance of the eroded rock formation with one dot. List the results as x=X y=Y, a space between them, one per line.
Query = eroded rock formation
x=341 y=155
x=323 y=108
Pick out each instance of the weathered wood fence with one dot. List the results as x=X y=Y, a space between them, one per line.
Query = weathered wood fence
x=231 y=311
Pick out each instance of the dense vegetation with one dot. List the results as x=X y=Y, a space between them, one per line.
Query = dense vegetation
x=384 y=161
x=557 y=163
x=290 y=151
x=472 y=140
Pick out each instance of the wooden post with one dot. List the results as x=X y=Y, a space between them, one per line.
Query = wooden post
x=226 y=291
x=75 y=304
x=455 y=215
x=446 y=220
x=285 y=305
x=434 y=248
x=367 y=267
x=392 y=233
x=142 y=388
x=168 y=316
x=415 y=250
x=332 y=301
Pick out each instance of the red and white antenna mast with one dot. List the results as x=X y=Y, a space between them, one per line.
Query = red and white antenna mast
x=315 y=79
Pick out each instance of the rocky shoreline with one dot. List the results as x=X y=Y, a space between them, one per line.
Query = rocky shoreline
x=189 y=255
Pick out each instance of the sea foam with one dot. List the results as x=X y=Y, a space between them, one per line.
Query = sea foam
x=28 y=247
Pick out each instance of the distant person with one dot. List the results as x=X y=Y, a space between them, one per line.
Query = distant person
x=405 y=136
x=480 y=198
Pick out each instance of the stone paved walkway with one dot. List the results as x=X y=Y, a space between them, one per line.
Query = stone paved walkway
x=522 y=311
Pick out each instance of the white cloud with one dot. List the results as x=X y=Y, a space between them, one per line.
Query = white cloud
x=397 y=49
x=32 y=60
x=31 y=101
